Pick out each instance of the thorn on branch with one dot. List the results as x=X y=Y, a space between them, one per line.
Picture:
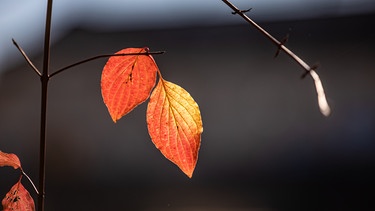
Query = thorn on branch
x=283 y=42
x=323 y=104
x=241 y=11
x=314 y=67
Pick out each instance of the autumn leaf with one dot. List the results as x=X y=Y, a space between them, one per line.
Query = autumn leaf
x=18 y=199
x=127 y=81
x=175 y=125
x=9 y=159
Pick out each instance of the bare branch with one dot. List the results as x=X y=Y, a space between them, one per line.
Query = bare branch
x=322 y=101
x=27 y=58
x=103 y=56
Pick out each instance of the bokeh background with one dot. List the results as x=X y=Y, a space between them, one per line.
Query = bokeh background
x=265 y=145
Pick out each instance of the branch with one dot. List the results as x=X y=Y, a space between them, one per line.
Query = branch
x=43 y=108
x=322 y=101
x=27 y=58
x=102 y=56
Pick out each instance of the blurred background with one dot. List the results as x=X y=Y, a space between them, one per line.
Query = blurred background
x=265 y=145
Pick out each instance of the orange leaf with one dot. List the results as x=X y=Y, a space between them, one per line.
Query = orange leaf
x=127 y=81
x=175 y=125
x=18 y=199
x=9 y=159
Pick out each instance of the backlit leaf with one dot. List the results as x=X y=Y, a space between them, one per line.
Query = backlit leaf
x=9 y=159
x=18 y=199
x=127 y=81
x=175 y=125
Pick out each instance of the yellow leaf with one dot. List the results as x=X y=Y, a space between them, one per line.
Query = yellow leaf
x=175 y=125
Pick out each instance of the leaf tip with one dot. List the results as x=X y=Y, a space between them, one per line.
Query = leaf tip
x=188 y=170
x=114 y=119
x=189 y=174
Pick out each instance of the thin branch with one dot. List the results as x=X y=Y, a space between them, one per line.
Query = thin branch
x=102 y=56
x=27 y=58
x=322 y=101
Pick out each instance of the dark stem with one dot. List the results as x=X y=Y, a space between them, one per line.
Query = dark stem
x=42 y=152
x=27 y=58
x=322 y=101
x=102 y=56
x=43 y=117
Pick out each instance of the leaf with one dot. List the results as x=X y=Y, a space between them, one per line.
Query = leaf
x=18 y=199
x=127 y=81
x=9 y=159
x=175 y=125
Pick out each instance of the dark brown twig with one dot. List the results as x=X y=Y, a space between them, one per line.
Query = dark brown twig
x=27 y=58
x=102 y=56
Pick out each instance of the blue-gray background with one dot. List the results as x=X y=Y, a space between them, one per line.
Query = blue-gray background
x=265 y=145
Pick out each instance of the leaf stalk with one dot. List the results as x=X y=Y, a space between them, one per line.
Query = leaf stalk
x=31 y=181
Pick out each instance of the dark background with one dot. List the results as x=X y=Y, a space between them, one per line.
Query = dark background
x=265 y=145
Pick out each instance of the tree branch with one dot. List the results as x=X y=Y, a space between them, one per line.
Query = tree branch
x=27 y=58
x=322 y=101
x=44 y=78
x=103 y=56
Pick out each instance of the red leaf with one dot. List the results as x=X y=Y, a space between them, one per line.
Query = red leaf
x=127 y=81
x=9 y=159
x=18 y=199
x=175 y=125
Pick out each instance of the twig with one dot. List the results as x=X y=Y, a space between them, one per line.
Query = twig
x=322 y=101
x=103 y=56
x=27 y=58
